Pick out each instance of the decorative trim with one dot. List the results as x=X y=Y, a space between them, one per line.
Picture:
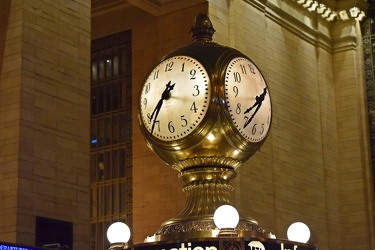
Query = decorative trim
x=244 y=227
x=344 y=43
x=207 y=161
x=350 y=10
x=327 y=15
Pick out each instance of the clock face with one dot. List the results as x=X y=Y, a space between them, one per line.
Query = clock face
x=175 y=98
x=248 y=99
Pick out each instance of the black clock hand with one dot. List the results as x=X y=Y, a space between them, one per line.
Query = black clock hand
x=258 y=103
x=164 y=96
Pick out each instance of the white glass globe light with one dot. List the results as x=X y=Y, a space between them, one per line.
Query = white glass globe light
x=226 y=216
x=118 y=232
x=298 y=231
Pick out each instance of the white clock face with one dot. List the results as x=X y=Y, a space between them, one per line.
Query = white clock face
x=248 y=99
x=175 y=98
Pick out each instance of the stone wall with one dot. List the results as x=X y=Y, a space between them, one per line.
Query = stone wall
x=44 y=117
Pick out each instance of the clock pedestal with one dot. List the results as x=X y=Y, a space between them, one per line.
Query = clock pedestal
x=206 y=189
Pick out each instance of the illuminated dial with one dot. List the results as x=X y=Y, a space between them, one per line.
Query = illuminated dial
x=248 y=99
x=175 y=98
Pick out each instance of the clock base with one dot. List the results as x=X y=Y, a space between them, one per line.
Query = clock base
x=204 y=227
x=207 y=188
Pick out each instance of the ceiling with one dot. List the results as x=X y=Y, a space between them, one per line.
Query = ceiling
x=154 y=7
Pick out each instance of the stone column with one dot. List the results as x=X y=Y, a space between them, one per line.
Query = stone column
x=44 y=116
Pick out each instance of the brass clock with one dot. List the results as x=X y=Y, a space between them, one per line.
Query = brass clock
x=248 y=99
x=205 y=105
x=205 y=109
x=175 y=98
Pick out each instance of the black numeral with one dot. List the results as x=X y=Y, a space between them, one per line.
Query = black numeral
x=192 y=74
x=147 y=88
x=237 y=77
x=185 y=122
x=235 y=90
x=238 y=108
x=254 y=129
x=145 y=102
x=243 y=69
x=156 y=74
x=252 y=68
x=261 y=129
x=193 y=107
x=168 y=66
x=196 y=87
x=171 y=127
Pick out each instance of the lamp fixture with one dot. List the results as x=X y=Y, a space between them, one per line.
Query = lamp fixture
x=226 y=219
x=118 y=235
x=299 y=232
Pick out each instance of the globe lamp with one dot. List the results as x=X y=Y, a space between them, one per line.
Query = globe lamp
x=226 y=219
x=299 y=232
x=118 y=235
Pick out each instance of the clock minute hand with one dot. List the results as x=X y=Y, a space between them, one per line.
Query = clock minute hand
x=258 y=103
x=164 y=96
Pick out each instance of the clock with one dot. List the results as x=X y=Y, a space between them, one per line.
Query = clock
x=204 y=110
x=175 y=98
x=248 y=99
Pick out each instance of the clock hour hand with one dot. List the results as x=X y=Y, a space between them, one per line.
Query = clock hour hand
x=258 y=103
x=164 y=96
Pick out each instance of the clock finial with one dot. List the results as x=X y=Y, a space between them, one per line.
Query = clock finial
x=202 y=29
